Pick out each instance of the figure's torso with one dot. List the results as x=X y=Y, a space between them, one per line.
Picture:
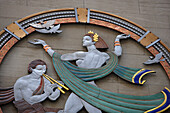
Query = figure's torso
x=92 y=59
x=28 y=86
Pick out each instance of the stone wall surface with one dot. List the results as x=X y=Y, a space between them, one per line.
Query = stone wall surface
x=151 y=14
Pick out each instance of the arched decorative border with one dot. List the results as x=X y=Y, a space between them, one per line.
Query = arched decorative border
x=19 y=29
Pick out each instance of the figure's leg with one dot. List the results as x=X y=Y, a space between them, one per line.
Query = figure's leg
x=73 y=104
x=90 y=108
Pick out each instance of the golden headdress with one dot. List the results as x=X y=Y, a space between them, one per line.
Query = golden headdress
x=99 y=42
x=95 y=36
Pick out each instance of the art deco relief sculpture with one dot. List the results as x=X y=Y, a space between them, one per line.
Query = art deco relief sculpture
x=92 y=59
x=91 y=65
x=34 y=88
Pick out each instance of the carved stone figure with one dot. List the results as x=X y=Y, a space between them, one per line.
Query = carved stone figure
x=32 y=89
x=49 y=24
x=91 y=59
x=90 y=67
x=47 y=27
x=157 y=59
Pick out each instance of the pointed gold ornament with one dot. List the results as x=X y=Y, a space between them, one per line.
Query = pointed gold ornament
x=95 y=37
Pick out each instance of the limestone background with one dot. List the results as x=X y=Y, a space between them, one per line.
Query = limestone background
x=151 y=14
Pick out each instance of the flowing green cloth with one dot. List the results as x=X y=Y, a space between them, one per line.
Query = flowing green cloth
x=133 y=75
x=107 y=101
x=93 y=74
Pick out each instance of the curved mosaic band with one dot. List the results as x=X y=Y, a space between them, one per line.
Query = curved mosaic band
x=165 y=105
x=21 y=28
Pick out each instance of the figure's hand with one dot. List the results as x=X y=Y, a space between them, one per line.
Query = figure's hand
x=123 y=36
x=54 y=95
x=49 y=89
x=57 y=85
x=54 y=86
x=38 y=41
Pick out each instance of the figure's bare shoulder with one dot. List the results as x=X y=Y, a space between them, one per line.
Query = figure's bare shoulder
x=21 y=82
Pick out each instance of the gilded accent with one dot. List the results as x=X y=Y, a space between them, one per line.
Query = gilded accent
x=2 y=32
x=82 y=14
x=148 y=39
x=47 y=77
x=91 y=32
x=56 y=82
x=95 y=37
x=16 y=30
x=143 y=75
x=167 y=89
x=135 y=75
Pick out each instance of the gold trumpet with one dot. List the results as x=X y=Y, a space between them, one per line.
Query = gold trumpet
x=52 y=82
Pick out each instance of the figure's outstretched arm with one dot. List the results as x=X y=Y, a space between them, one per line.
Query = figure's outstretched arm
x=45 y=46
x=117 y=46
x=73 y=56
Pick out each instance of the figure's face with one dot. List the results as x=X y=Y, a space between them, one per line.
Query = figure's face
x=87 y=41
x=39 y=70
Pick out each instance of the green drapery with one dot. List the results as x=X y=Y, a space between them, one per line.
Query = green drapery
x=102 y=99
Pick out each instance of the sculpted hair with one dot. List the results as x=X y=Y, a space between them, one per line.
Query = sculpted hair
x=100 y=44
x=34 y=63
